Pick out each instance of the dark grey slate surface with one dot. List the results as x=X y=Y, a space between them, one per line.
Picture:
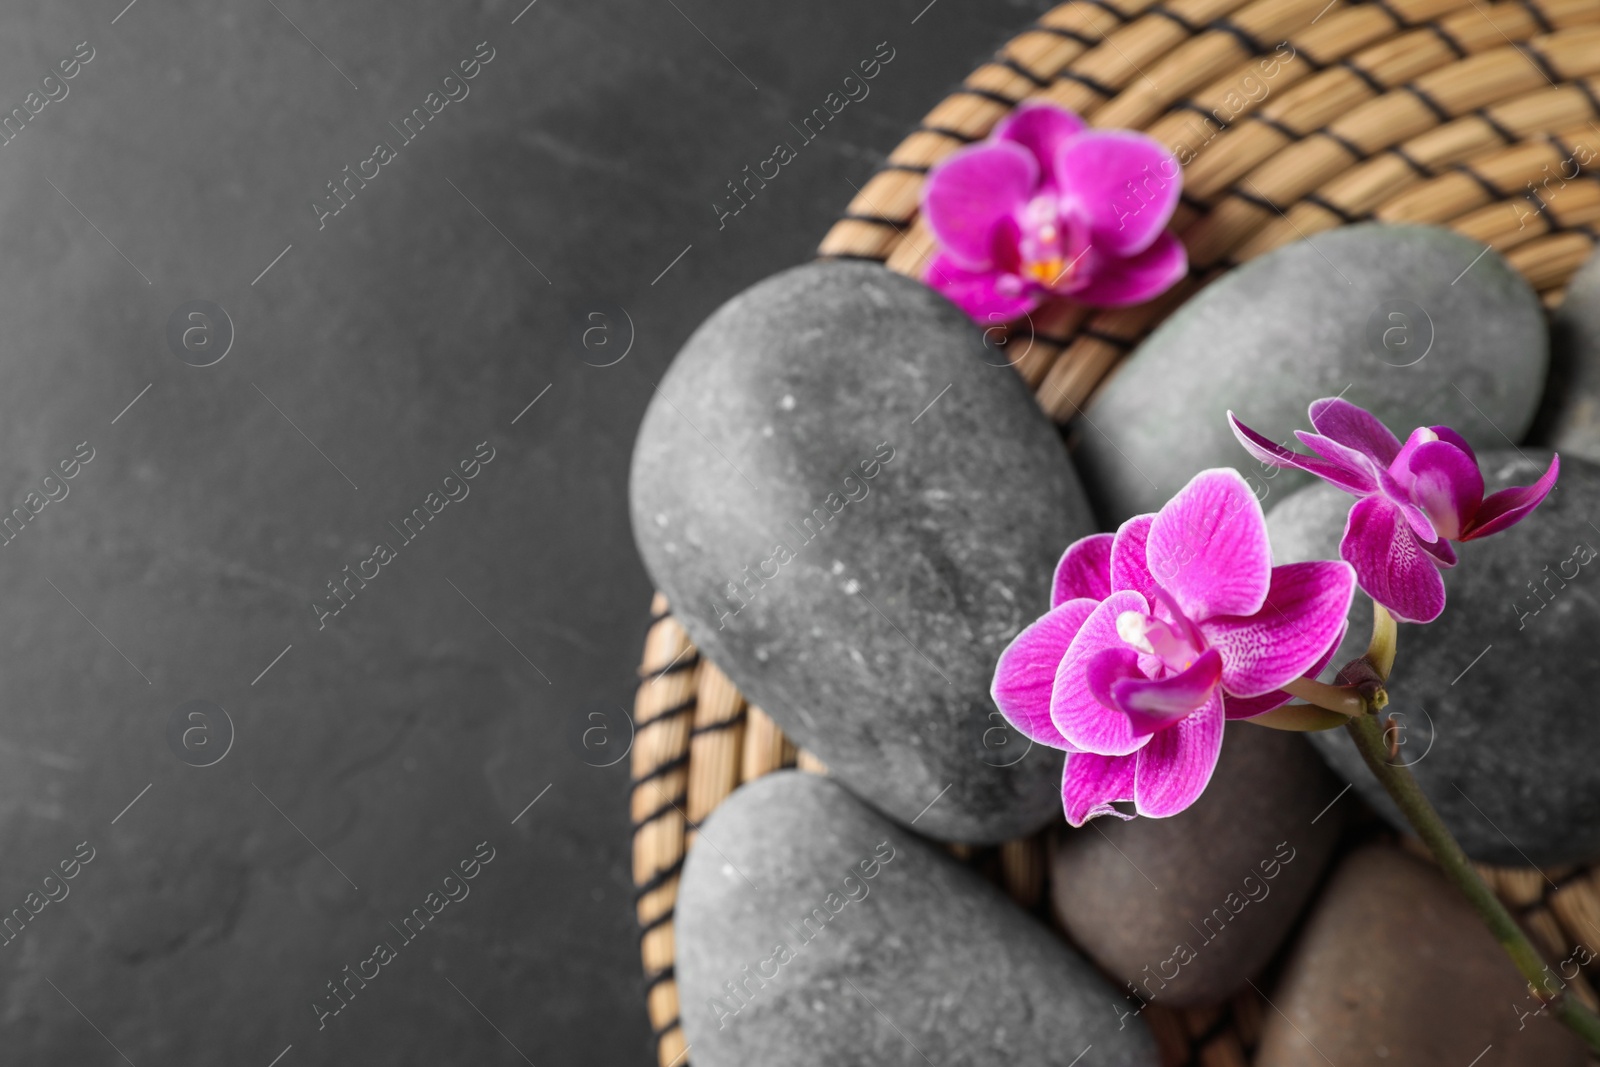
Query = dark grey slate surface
x=416 y=324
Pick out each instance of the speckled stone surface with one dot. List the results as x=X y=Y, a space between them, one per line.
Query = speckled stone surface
x=1394 y=966
x=1187 y=909
x=1391 y=317
x=812 y=931
x=1492 y=699
x=853 y=506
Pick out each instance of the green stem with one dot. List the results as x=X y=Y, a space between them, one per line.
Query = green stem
x=1418 y=810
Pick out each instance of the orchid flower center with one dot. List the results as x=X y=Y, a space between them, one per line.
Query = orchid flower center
x=1441 y=511
x=1400 y=468
x=1043 y=246
x=1175 y=648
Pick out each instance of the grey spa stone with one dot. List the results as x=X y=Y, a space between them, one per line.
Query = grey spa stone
x=1570 y=419
x=853 y=506
x=1405 y=321
x=1186 y=910
x=812 y=931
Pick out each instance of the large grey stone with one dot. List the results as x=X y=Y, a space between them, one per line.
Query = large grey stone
x=811 y=930
x=1185 y=910
x=1570 y=419
x=852 y=512
x=1493 y=699
x=1315 y=319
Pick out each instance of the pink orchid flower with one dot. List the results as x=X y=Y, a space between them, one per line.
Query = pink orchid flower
x=1159 y=634
x=1415 y=499
x=1049 y=208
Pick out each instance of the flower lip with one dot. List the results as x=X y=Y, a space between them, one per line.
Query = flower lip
x=1153 y=704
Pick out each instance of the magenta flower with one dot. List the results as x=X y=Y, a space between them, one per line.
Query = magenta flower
x=1049 y=208
x=1159 y=634
x=1415 y=499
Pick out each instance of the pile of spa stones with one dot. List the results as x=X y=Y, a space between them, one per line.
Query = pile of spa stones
x=853 y=504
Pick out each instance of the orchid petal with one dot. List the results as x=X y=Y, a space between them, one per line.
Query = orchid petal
x=1355 y=428
x=1440 y=550
x=1109 y=666
x=1086 y=723
x=1305 y=611
x=1128 y=567
x=1400 y=466
x=1026 y=672
x=1399 y=493
x=1356 y=465
x=1123 y=184
x=1356 y=479
x=1084 y=570
x=1103 y=280
x=1389 y=562
x=1509 y=506
x=1174 y=768
x=1208 y=547
x=1261 y=447
x=987 y=296
x=1249 y=707
x=1153 y=705
x=1447 y=484
x=1040 y=128
x=1449 y=436
x=1090 y=784
x=968 y=195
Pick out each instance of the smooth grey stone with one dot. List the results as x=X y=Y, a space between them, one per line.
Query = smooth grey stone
x=1569 y=422
x=1309 y=320
x=853 y=506
x=1185 y=910
x=811 y=930
x=1493 y=698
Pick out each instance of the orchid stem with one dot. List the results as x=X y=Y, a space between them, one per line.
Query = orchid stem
x=1344 y=699
x=1408 y=796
